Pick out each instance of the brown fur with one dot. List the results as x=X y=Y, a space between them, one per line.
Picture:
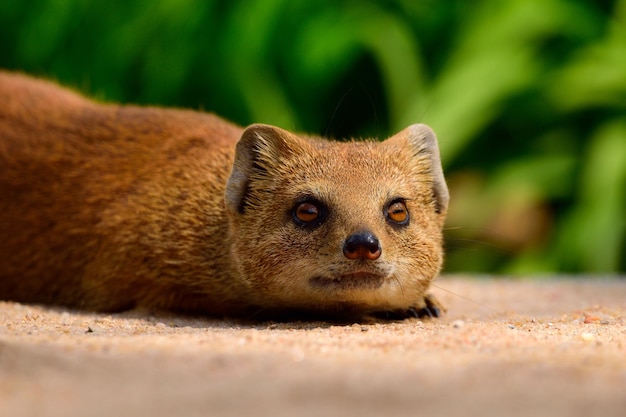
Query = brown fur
x=109 y=207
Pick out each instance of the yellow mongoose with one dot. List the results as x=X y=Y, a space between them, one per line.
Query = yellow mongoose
x=109 y=207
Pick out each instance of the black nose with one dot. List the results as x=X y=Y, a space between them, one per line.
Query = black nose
x=362 y=245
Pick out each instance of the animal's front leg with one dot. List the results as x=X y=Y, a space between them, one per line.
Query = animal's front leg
x=430 y=307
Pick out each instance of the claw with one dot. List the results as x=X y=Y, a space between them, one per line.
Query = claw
x=432 y=308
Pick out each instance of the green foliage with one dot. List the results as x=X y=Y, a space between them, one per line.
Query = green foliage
x=528 y=97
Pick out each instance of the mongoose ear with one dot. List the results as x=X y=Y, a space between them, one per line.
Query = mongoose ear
x=259 y=151
x=424 y=143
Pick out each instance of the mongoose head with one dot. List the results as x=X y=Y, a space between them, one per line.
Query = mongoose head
x=330 y=226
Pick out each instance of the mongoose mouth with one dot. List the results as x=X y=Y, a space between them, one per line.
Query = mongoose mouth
x=351 y=281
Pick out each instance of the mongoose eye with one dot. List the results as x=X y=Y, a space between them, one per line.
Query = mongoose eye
x=307 y=212
x=398 y=213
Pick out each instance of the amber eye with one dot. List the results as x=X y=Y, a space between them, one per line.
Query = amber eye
x=307 y=212
x=398 y=213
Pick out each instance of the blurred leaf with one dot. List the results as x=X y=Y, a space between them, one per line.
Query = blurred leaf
x=596 y=76
x=246 y=53
x=546 y=175
x=44 y=32
x=593 y=234
x=390 y=41
x=493 y=60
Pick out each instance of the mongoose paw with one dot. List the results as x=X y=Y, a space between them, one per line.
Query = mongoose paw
x=431 y=308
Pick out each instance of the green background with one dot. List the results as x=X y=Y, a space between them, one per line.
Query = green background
x=528 y=97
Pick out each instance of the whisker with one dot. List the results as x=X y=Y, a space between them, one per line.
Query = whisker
x=372 y=105
x=469 y=300
x=477 y=241
x=421 y=117
x=399 y=285
x=337 y=107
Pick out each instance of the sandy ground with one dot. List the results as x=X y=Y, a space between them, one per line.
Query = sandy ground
x=518 y=348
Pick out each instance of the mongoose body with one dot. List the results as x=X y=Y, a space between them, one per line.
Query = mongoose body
x=108 y=207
